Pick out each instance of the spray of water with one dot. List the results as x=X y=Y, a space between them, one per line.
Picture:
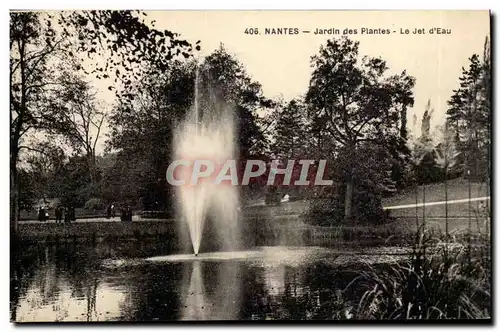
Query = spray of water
x=208 y=133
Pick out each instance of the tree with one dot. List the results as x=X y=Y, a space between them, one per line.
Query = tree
x=75 y=114
x=224 y=81
x=424 y=152
x=27 y=193
x=123 y=40
x=28 y=77
x=124 y=44
x=225 y=77
x=42 y=165
x=370 y=182
x=357 y=101
x=290 y=130
x=142 y=131
x=70 y=182
x=469 y=115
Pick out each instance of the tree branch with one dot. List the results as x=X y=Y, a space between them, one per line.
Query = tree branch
x=98 y=132
x=42 y=56
x=33 y=149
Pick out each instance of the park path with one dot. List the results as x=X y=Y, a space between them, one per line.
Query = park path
x=82 y=220
x=455 y=201
x=394 y=207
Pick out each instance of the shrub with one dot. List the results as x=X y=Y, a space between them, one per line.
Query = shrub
x=366 y=209
x=94 y=204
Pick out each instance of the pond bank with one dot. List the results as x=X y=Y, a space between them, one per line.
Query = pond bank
x=257 y=230
x=91 y=231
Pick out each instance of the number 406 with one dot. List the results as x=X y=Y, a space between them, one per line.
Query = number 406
x=251 y=31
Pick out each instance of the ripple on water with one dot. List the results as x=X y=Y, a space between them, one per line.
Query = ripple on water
x=268 y=254
x=277 y=255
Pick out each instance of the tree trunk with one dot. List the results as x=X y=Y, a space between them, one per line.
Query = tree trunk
x=348 y=199
x=14 y=195
x=350 y=149
x=92 y=167
x=403 y=133
x=14 y=146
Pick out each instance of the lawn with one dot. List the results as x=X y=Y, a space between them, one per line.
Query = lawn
x=459 y=214
x=457 y=189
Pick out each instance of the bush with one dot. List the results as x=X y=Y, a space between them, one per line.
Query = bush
x=273 y=196
x=366 y=209
x=94 y=204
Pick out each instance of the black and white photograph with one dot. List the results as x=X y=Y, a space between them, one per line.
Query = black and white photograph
x=256 y=165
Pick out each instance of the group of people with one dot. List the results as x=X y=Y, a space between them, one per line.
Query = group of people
x=126 y=212
x=66 y=214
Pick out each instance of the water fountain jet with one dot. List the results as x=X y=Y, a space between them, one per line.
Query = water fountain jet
x=208 y=132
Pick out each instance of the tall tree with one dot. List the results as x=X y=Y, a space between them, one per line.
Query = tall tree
x=290 y=130
x=358 y=102
x=225 y=76
x=143 y=129
x=426 y=121
x=76 y=114
x=29 y=77
x=123 y=43
x=469 y=114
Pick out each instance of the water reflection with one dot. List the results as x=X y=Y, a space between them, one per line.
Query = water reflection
x=219 y=300
x=100 y=303
x=195 y=304
x=73 y=283
x=65 y=287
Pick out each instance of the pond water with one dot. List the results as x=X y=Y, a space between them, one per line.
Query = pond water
x=143 y=281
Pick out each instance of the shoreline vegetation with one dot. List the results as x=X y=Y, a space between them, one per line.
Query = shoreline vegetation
x=397 y=231
x=290 y=220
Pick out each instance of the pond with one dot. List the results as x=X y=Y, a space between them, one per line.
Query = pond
x=143 y=281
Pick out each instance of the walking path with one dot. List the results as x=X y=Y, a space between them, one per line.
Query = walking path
x=456 y=201
x=395 y=207
x=83 y=220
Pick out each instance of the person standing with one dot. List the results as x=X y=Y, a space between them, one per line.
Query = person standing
x=66 y=215
x=58 y=214
x=73 y=214
x=129 y=213
x=41 y=214
x=123 y=211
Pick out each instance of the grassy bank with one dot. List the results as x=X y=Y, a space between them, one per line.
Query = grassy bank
x=435 y=192
x=264 y=231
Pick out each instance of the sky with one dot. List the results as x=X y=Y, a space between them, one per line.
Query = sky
x=281 y=63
